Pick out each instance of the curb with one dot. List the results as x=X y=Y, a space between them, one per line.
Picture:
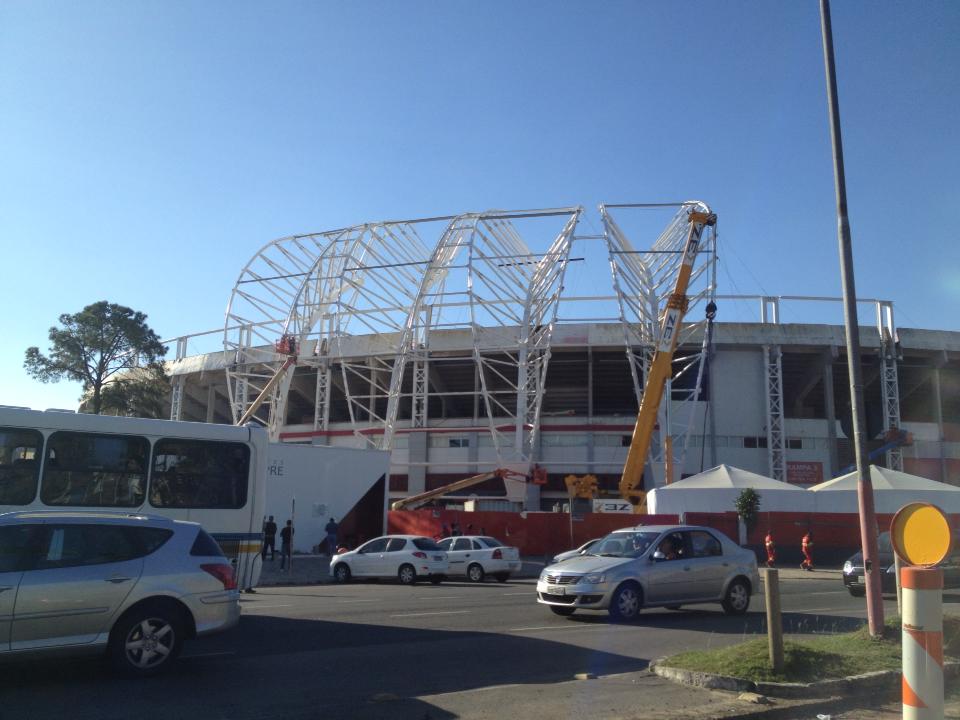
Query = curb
x=867 y=683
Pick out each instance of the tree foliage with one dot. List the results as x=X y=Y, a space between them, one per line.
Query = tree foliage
x=92 y=346
x=748 y=507
x=140 y=392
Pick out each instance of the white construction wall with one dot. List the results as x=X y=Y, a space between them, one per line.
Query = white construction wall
x=326 y=482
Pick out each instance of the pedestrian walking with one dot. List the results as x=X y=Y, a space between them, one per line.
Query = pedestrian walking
x=270 y=538
x=286 y=544
x=771 y=549
x=806 y=545
x=331 y=530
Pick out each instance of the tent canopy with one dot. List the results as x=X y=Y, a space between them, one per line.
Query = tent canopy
x=885 y=479
x=727 y=476
x=716 y=490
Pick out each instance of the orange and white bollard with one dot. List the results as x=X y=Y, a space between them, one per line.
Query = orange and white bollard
x=922 y=643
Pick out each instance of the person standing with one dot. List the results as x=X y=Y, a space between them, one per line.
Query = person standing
x=806 y=545
x=771 y=549
x=286 y=544
x=331 y=530
x=270 y=538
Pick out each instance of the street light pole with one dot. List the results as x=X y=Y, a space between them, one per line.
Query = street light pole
x=868 y=521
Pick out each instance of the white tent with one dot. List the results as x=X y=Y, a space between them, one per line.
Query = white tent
x=715 y=490
x=892 y=490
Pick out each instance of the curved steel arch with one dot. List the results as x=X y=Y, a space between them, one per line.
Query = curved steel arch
x=642 y=282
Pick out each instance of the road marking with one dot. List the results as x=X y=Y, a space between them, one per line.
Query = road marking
x=438 y=612
x=529 y=593
x=264 y=607
x=550 y=627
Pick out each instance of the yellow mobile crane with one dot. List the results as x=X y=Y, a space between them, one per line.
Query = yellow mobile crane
x=631 y=482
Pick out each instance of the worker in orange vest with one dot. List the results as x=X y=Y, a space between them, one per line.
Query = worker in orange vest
x=771 y=549
x=807 y=546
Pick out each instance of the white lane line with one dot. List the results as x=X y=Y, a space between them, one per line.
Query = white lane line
x=550 y=627
x=264 y=607
x=438 y=612
x=529 y=593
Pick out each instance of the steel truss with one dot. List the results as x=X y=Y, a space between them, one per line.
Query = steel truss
x=642 y=282
x=378 y=281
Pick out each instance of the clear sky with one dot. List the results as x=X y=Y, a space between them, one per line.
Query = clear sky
x=149 y=148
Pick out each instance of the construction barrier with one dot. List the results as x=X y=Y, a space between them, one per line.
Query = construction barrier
x=922 y=643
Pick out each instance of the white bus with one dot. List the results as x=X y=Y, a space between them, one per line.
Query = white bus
x=211 y=474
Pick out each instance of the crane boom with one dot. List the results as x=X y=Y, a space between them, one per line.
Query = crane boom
x=415 y=501
x=631 y=482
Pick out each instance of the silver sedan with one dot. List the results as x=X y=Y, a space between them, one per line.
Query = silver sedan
x=652 y=566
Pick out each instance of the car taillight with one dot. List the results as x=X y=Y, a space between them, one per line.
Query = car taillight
x=421 y=555
x=223 y=573
x=497 y=555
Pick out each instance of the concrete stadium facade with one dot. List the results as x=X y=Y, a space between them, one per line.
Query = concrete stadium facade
x=467 y=353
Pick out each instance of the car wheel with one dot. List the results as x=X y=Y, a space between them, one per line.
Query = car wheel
x=436 y=579
x=626 y=602
x=407 y=575
x=475 y=573
x=737 y=599
x=561 y=610
x=341 y=573
x=147 y=640
x=858 y=592
x=502 y=577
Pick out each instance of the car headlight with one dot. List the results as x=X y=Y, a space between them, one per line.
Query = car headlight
x=594 y=579
x=543 y=574
x=847 y=567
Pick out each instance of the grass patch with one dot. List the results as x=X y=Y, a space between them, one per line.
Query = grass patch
x=816 y=658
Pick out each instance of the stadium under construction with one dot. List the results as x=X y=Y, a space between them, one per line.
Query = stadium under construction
x=522 y=340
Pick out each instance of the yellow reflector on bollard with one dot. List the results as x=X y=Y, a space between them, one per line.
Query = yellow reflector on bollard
x=920 y=534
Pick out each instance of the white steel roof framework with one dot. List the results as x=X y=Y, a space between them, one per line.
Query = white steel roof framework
x=383 y=281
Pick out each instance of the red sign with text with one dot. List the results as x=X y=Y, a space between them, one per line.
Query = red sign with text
x=804 y=473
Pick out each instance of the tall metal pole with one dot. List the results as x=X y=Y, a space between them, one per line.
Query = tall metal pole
x=868 y=521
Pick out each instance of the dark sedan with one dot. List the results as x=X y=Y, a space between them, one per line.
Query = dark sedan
x=853 y=574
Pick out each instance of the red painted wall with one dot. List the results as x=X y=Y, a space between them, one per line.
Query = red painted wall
x=836 y=535
x=536 y=535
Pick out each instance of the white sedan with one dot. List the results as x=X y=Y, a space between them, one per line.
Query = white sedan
x=477 y=556
x=406 y=557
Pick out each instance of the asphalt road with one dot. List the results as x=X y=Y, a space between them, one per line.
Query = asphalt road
x=373 y=650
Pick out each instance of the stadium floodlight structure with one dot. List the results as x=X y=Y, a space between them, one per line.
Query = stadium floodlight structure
x=380 y=281
x=643 y=281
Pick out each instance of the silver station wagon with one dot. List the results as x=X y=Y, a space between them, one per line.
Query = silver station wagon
x=651 y=566
x=134 y=586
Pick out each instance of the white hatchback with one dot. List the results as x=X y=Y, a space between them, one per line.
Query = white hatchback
x=408 y=558
x=477 y=556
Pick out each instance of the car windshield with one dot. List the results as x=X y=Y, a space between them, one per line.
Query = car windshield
x=883 y=543
x=624 y=544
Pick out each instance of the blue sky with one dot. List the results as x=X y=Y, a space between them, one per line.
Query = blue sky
x=148 y=149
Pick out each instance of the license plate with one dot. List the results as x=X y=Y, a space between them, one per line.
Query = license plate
x=557 y=590
x=859 y=580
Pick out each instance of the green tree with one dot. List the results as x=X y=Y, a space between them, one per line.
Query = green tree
x=92 y=346
x=748 y=506
x=140 y=392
